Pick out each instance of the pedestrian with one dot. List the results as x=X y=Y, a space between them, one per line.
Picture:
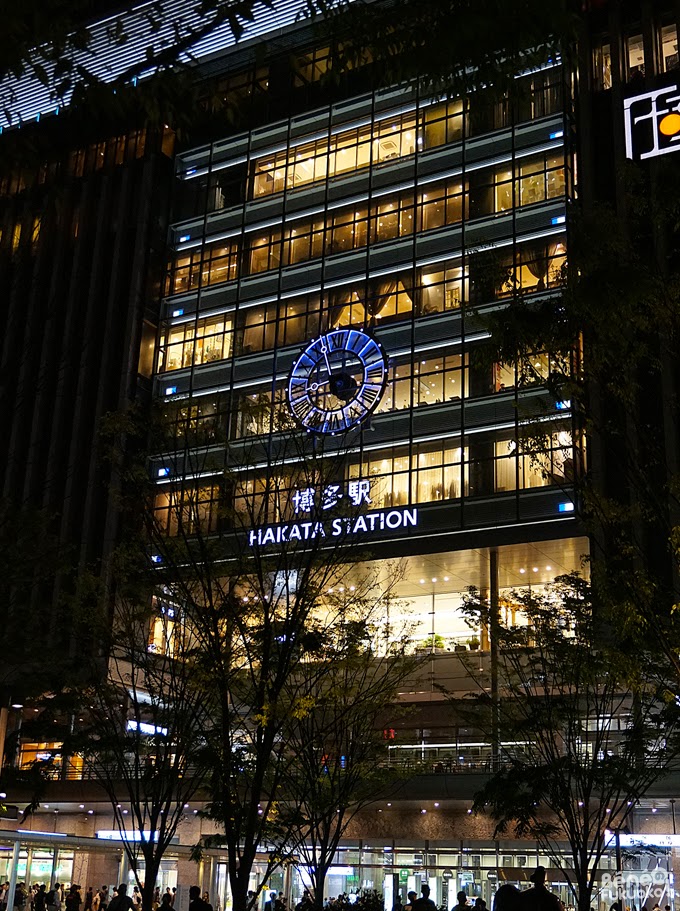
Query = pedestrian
x=166 y=901
x=538 y=898
x=121 y=901
x=424 y=903
x=103 y=898
x=411 y=896
x=507 y=898
x=196 y=903
x=397 y=906
x=73 y=901
x=20 y=896
x=461 y=903
x=206 y=899
x=40 y=900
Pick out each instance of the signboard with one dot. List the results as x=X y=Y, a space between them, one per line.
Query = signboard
x=308 y=500
x=652 y=123
x=652 y=840
x=403 y=876
x=365 y=524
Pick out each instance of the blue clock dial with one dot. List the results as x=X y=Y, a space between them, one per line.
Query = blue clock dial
x=337 y=381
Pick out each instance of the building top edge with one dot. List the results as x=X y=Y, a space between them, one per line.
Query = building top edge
x=26 y=98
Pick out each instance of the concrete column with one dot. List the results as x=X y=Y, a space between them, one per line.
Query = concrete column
x=14 y=869
x=55 y=864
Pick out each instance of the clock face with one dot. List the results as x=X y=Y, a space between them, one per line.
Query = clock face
x=337 y=381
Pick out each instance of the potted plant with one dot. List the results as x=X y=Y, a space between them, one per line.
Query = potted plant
x=473 y=643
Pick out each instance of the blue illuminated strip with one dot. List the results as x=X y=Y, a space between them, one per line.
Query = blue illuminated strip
x=106 y=59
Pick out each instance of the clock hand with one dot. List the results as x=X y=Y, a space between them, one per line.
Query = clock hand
x=324 y=351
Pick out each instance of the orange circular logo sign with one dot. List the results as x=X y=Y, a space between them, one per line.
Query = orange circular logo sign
x=670 y=124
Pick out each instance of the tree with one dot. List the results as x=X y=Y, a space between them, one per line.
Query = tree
x=338 y=743
x=260 y=563
x=586 y=721
x=56 y=44
x=611 y=336
x=453 y=47
x=141 y=718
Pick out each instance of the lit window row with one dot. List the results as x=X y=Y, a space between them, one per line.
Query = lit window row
x=635 y=64
x=535 y=180
x=532 y=267
x=425 y=475
x=400 y=136
x=430 y=381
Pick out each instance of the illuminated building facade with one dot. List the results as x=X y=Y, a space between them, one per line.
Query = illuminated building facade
x=404 y=219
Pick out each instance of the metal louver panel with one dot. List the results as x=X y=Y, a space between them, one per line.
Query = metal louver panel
x=107 y=58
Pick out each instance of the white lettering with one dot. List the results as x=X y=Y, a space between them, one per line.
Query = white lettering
x=369 y=522
x=410 y=517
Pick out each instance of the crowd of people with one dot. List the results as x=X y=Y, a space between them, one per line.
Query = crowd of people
x=38 y=897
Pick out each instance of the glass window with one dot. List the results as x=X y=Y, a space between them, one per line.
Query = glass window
x=427 y=382
x=602 y=66
x=442 y=288
x=311 y=67
x=348 y=151
x=188 y=511
x=203 y=267
x=635 y=56
x=443 y=123
x=534 y=465
x=669 y=48
x=428 y=475
x=203 y=421
x=195 y=343
x=537 y=267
